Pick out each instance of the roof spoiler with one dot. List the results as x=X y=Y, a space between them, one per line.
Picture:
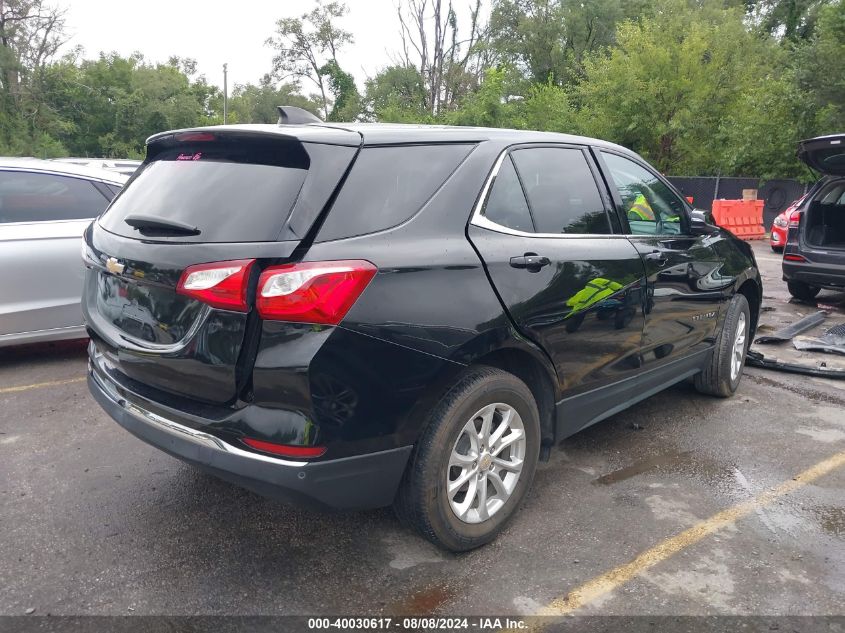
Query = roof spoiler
x=291 y=115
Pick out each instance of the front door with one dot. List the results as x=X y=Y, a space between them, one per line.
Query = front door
x=684 y=287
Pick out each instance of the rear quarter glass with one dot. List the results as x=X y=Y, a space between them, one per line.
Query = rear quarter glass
x=388 y=185
x=232 y=191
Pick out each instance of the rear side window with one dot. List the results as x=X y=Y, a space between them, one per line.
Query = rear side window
x=388 y=185
x=114 y=189
x=506 y=204
x=35 y=197
x=231 y=190
x=561 y=191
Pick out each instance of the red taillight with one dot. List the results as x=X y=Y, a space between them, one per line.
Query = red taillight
x=312 y=292
x=219 y=284
x=286 y=450
x=795 y=258
x=795 y=218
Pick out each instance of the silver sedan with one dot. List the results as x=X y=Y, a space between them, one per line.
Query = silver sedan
x=44 y=209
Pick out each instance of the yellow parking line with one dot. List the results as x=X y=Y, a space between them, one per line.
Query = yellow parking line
x=607 y=582
x=38 y=385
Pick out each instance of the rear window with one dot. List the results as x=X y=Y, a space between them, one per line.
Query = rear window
x=231 y=191
x=388 y=185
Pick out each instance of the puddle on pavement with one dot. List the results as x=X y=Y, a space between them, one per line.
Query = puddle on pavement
x=643 y=466
x=831 y=519
x=685 y=462
x=426 y=601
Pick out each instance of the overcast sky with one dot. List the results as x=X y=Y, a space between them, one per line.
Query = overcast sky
x=218 y=32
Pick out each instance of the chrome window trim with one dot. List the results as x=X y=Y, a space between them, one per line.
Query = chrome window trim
x=478 y=219
x=50 y=172
x=40 y=222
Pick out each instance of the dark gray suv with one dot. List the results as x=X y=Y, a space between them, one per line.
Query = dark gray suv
x=814 y=255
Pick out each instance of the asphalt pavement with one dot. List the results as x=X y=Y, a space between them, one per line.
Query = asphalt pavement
x=682 y=505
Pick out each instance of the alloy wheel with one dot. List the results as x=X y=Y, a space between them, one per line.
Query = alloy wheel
x=485 y=463
x=738 y=352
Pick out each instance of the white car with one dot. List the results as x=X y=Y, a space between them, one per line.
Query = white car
x=44 y=209
x=125 y=166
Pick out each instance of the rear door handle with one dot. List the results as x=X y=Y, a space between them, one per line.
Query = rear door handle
x=657 y=257
x=530 y=261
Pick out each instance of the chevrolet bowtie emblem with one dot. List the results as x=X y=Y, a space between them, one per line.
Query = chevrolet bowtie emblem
x=114 y=266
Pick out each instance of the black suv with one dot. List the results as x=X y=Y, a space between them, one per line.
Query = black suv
x=359 y=315
x=814 y=255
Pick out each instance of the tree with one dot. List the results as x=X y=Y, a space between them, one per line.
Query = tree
x=252 y=103
x=110 y=105
x=30 y=34
x=450 y=66
x=758 y=138
x=791 y=19
x=489 y=106
x=669 y=82
x=548 y=39
x=820 y=72
x=347 y=101
x=396 y=94
x=546 y=107
x=306 y=46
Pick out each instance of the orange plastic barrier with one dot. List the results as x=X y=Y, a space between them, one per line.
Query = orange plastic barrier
x=743 y=218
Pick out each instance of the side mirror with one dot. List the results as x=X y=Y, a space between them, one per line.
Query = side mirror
x=702 y=223
x=690 y=199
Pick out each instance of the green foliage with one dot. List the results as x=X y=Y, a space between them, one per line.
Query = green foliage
x=546 y=107
x=251 y=103
x=306 y=49
x=397 y=94
x=758 y=138
x=112 y=104
x=549 y=39
x=489 y=106
x=821 y=72
x=669 y=82
x=347 y=101
x=698 y=87
x=793 y=19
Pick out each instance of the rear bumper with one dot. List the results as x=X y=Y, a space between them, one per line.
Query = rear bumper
x=830 y=276
x=359 y=482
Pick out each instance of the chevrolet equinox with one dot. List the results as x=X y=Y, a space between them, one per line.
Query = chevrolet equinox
x=359 y=315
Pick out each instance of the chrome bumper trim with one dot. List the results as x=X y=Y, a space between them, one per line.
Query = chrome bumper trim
x=180 y=431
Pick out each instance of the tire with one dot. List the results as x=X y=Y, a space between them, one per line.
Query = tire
x=777 y=249
x=423 y=501
x=802 y=291
x=721 y=377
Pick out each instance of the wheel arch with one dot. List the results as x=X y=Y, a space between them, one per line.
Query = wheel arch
x=532 y=368
x=753 y=293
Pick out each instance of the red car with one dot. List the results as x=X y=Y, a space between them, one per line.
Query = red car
x=781 y=224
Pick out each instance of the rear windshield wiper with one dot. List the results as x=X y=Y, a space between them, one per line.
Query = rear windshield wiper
x=155 y=224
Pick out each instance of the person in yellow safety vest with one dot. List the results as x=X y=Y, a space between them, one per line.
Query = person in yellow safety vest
x=641 y=210
x=596 y=290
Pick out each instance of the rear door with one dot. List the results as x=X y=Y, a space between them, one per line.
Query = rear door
x=232 y=196
x=42 y=218
x=570 y=285
x=684 y=284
